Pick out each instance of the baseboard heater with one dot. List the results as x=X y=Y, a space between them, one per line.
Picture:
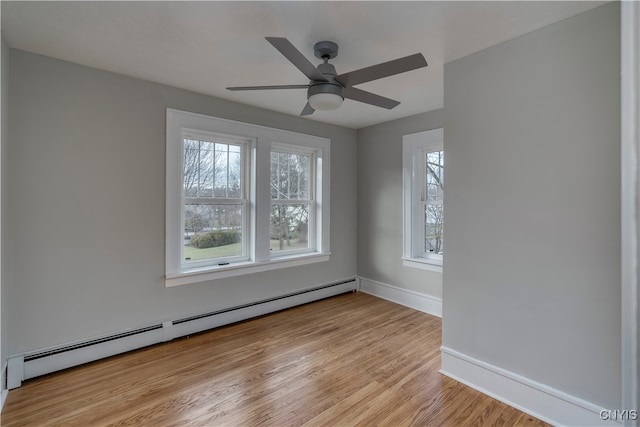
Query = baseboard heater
x=37 y=363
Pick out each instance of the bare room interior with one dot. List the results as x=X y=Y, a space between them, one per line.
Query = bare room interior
x=234 y=213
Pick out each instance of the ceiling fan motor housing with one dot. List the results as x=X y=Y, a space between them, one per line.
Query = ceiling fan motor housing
x=330 y=86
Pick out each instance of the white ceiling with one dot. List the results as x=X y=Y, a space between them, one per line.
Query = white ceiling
x=207 y=46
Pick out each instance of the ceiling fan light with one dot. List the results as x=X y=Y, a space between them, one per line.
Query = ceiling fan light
x=325 y=101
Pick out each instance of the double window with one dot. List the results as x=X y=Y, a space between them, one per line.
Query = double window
x=423 y=187
x=242 y=198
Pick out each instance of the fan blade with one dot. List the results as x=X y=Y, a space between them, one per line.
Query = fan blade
x=268 y=87
x=385 y=69
x=307 y=110
x=294 y=56
x=369 y=98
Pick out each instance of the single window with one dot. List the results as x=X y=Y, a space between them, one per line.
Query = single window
x=432 y=202
x=292 y=201
x=423 y=191
x=214 y=200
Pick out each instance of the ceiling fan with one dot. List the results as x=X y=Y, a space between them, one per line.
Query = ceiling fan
x=327 y=89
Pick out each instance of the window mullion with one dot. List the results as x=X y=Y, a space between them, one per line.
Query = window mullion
x=214 y=171
x=263 y=181
x=291 y=201
x=228 y=168
x=279 y=189
x=212 y=201
x=300 y=172
x=198 y=169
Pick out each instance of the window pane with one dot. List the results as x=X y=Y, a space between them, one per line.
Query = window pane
x=434 y=163
x=191 y=166
x=228 y=171
x=212 y=231
x=289 y=226
x=290 y=176
x=235 y=173
x=434 y=221
x=205 y=170
x=212 y=169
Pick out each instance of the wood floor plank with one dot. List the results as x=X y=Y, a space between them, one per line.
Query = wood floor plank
x=345 y=361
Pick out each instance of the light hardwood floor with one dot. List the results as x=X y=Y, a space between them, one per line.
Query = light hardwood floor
x=344 y=361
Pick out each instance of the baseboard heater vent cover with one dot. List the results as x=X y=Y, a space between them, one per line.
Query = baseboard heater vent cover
x=41 y=362
x=52 y=352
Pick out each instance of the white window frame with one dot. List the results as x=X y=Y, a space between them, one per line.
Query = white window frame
x=414 y=147
x=247 y=234
x=315 y=211
x=259 y=140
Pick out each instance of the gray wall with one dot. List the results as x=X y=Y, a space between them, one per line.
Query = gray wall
x=532 y=272
x=4 y=115
x=380 y=204
x=86 y=205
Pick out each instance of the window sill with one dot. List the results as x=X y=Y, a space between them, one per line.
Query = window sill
x=208 y=273
x=423 y=264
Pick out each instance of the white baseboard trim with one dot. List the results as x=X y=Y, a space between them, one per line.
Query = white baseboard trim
x=416 y=300
x=3 y=398
x=3 y=390
x=536 y=399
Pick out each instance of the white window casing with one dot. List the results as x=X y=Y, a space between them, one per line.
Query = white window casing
x=314 y=210
x=414 y=148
